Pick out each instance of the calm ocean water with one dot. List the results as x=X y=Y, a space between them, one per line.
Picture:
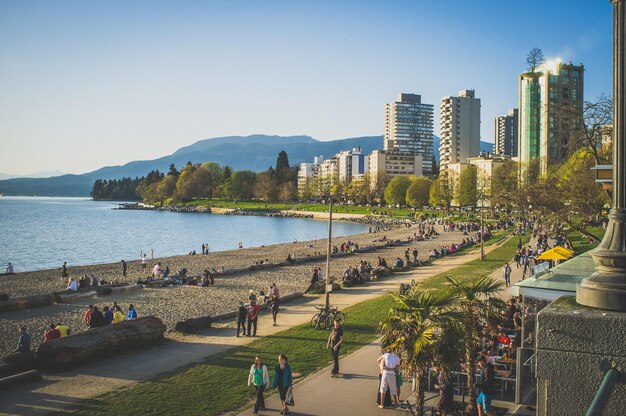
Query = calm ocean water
x=41 y=233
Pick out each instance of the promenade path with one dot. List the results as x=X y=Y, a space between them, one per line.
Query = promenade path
x=58 y=391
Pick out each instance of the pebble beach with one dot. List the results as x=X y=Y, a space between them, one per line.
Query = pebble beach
x=176 y=303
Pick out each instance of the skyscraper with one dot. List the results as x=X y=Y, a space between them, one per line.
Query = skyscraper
x=543 y=129
x=409 y=128
x=505 y=134
x=460 y=128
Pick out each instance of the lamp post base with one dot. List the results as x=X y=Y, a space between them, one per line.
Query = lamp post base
x=606 y=288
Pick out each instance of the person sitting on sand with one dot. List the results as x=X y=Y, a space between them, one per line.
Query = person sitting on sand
x=9 y=269
x=252 y=296
x=204 y=282
x=63 y=329
x=97 y=318
x=94 y=280
x=108 y=315
x=132 y=313
x=83 y=282
x=166 y=272
x=290 y=258
x=262 y=298
x=399 y=263
x=118 y=316
x=72 y=285
x=52 y=333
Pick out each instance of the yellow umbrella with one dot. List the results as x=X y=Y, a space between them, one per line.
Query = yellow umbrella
x=556 y=253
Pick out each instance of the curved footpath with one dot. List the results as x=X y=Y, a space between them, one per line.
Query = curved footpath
x=57 y=391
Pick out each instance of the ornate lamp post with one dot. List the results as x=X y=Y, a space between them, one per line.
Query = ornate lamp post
x=606 y=288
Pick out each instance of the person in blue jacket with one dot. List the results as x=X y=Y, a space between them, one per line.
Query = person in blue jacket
x=132 y=313
x=283 y=379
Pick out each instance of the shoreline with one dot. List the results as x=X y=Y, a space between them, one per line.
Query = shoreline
x=177 y=303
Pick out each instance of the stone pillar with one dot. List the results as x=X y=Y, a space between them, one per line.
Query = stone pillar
x=606 y=288
x=576 y=345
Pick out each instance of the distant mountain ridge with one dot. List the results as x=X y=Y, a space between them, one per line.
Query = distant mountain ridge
x=256 y=152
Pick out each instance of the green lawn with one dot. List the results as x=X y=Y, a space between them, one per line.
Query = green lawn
x=581 y=243
x=220 y=384
x=494 y=260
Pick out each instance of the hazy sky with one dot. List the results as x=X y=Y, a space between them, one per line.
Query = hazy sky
x=85 y=84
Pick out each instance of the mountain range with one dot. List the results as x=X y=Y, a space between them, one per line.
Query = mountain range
x=256 y=152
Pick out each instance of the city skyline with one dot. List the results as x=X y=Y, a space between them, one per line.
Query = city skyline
x=88 y=85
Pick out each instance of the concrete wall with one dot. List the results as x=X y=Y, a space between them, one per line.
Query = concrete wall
x=575 y=347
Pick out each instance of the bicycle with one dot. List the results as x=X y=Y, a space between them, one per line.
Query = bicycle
x=325 y=317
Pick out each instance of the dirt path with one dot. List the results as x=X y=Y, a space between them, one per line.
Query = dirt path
x=58 y=391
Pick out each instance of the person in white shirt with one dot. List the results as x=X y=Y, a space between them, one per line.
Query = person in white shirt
x=389 y=364
x=9 y=269
x=72 y=285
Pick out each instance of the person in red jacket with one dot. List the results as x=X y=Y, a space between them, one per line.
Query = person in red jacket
x=253 y=315
x=88 y=315
x=51 y=333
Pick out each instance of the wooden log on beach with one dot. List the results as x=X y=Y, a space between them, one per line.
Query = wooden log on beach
x=26 y=302
x=193 y=325
x=64 y=352
x=66 y=297
x=25 y=377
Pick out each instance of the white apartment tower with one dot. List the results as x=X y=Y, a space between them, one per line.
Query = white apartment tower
x=409 y=128
x=460 y=128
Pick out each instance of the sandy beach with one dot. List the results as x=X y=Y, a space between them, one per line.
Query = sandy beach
x=173 y=304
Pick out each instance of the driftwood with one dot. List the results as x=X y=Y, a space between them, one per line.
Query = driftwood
x=65 y=352
x=192 y=325
x=25 y=377
x=26 y=302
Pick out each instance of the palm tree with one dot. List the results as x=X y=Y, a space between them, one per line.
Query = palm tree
x=478 y=303
x=414 y=329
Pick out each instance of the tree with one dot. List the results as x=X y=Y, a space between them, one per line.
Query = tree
x=534 y=59
x=435 y=167
x=580 y=192
x=442 y=189
x=173 y=171
x=504 y=185
x=587 y=127
x=241 y=185
x=287 y=192
x=478 y=303
x=283 y=172
x=395 y=192
x=415 y=329
x=419 y=192
x=357 y=191
x=266 y=187
x=183 y=185
x=467 y=192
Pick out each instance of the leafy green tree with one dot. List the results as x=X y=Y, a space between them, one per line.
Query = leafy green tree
x=266 y=187
x=173 y=171
x=478 y=302
x=395 y=192
x=467 y=191
x=442 y=189
x=283 y=172
x=184 y=189
x=287 y=192
x=419 y=192
x=241 y=185
x=357 y=191
x=504 y=185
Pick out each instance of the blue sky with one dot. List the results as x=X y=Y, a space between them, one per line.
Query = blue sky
x=88 y=84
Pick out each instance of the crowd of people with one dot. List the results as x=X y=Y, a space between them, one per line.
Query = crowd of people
x=248 y=312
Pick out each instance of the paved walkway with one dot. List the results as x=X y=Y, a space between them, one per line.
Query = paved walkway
x=354 y=393
x=56 y=392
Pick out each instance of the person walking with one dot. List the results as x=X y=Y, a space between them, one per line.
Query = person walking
x=486 y=386
x=64 y=270
x=124 y=268
x=389 y=363
x=274 y=307
x=242 y=312
x=506 y=274
x=253 y=315
x=144 y=261
x=260 y=379
x=446 y=390
x=335 y=339
x=283 y=379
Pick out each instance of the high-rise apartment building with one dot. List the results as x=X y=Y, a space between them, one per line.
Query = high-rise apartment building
x=460 y=128
x=544 y=130
x=409 y=128
x=384 y=165
x=352 y=164
x=505 y=134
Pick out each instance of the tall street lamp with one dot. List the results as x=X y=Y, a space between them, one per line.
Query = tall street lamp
x=606 y=288
x=330 y=234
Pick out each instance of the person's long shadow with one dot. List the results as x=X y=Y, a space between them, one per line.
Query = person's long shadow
x=359 y=376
